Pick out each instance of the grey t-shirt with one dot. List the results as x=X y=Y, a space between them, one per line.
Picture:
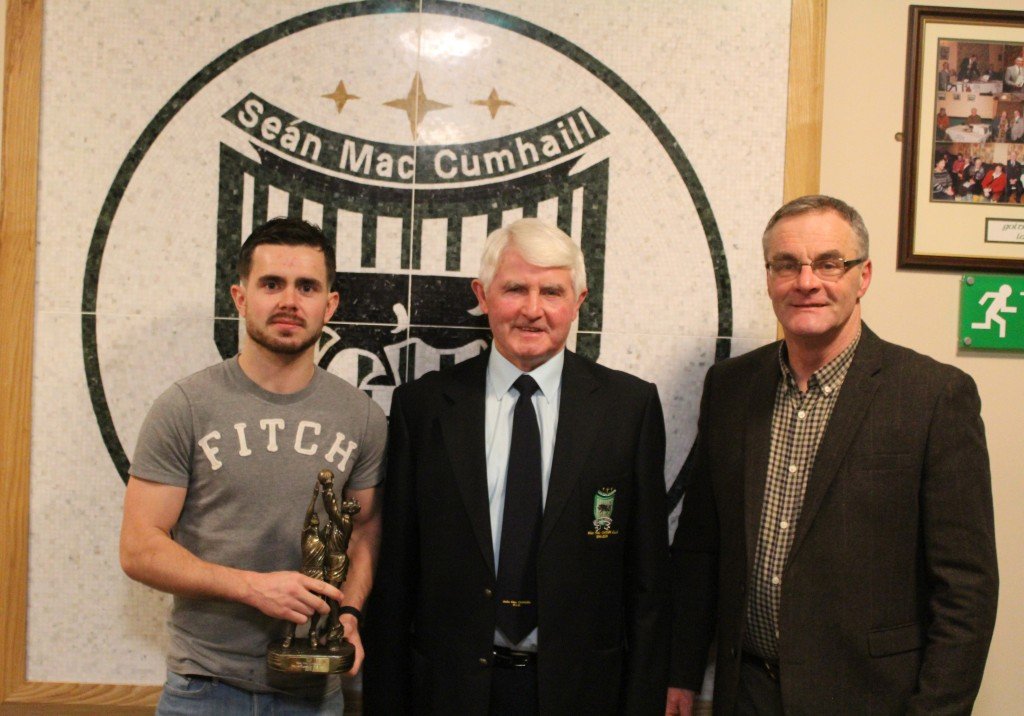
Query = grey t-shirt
x=249 y=460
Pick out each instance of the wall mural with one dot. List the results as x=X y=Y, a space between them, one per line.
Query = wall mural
x=408 y=131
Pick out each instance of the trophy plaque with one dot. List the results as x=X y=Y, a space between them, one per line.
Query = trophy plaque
x=324 y=650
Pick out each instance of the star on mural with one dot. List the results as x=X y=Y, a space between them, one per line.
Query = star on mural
x=340 y=96
x=416 y=105
x=493 y=103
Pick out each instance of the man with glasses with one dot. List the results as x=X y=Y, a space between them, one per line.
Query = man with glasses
x=837 y=534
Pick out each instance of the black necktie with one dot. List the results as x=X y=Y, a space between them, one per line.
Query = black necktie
x=520 y=527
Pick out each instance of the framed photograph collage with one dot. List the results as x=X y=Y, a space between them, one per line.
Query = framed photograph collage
x=962 y=202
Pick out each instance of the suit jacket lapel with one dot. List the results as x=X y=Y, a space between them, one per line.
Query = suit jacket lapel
x=855 y=396
x=577 y=427
x=462 y=427
x=756 y=445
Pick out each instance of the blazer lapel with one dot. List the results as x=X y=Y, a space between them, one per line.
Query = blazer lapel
x=462 y=428
x=756 y=446
x=577 y=427
x=855 y=397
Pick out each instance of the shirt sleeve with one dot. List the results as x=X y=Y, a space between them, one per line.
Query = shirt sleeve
x=164 y=450
x=370 y=465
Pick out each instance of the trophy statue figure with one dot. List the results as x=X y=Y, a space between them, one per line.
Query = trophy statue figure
x=324 y=557
x=312 y=566
x=336 y=539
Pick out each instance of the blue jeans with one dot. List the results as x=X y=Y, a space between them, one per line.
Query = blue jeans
x=205 y=696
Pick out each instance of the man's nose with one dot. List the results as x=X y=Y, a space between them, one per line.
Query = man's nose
x=287 y=296
x=531 y=306
x=806 y=279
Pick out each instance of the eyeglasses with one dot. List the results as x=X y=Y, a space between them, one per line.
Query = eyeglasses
x=827 y=269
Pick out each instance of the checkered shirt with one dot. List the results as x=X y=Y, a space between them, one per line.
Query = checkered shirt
x=798 y=422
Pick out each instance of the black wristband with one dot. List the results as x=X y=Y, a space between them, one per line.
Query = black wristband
x=346 y=609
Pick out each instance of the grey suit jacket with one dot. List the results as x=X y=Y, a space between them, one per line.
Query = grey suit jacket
x=889 y=591
x=1014 y=78
x=603 y=603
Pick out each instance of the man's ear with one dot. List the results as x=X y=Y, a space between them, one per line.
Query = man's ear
x=481 y=295
x=579 y=302
x=333 y=299
x=865 y=279
x=238 y=296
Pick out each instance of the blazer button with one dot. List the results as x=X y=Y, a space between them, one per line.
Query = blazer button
x=483 y=661
x=732 y=651
x=488 y=592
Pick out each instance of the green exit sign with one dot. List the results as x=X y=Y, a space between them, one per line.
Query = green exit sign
x=992 y=312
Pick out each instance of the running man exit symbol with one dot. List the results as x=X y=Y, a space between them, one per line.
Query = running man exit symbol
x=990 y=315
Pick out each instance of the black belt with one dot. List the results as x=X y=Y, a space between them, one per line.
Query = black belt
x=771 y=668
x=505 y=658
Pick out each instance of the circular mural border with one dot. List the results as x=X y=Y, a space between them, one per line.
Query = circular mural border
x=313 y=18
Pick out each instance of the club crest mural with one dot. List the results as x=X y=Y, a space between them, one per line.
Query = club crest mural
x=408 y=214
x=408 y=131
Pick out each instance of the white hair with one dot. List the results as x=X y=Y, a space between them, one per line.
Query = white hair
x=540 y=244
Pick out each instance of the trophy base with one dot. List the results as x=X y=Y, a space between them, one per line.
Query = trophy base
x=300 y=658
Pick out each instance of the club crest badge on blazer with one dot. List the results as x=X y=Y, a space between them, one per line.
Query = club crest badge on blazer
x=604 y=504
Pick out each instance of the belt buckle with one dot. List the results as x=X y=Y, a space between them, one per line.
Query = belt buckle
x=511 y=659
x=770 y=668
x=520 y=658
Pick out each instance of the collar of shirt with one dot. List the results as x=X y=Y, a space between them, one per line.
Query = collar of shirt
x=501 y=374
x=827 y=378
x=500 y=400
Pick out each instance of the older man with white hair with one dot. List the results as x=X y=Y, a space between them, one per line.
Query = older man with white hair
x=524 y=561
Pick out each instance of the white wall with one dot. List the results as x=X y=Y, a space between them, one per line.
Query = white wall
x=865 y=53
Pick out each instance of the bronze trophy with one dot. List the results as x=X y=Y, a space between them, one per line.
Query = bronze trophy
x=324 y=650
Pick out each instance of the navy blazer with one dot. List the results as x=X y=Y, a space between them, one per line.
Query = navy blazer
x=602 y=602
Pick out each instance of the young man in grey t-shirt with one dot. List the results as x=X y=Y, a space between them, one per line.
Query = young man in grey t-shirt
x=223 y=473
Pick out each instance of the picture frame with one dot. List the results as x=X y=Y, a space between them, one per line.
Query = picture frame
x=950 y=216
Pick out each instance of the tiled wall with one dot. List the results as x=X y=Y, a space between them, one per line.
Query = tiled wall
x=653 y=132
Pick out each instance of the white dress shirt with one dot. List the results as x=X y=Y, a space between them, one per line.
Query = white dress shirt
x=499 y=404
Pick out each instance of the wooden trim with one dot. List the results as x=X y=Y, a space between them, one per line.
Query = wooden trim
x=42 y=697
x=805 y=102
x=18 y=180
x=17 y=271
x=806 y=98
x=18 y=176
